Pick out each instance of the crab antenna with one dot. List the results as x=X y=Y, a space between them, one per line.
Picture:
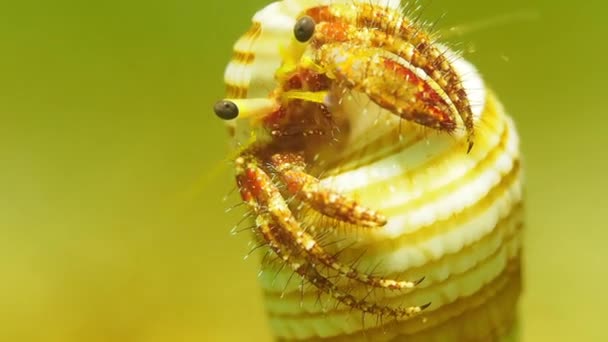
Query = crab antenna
x=316 y=97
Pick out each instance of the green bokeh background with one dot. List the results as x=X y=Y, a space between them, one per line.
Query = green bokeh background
x=112 y=174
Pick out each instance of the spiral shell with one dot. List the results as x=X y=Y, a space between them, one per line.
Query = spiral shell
x=454 y=219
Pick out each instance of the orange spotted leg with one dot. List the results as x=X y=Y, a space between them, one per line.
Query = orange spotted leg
x=263 y=196
x=291 y=170
x=401 y=37
x=277 y=241
x=351 y=52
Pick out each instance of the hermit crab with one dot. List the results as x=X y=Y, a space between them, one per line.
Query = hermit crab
x=377 y=170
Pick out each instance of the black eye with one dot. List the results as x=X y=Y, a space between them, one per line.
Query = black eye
x=304 y=29
x=226 y=110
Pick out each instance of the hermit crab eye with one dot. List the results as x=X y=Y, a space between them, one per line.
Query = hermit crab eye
x=304 y=29
x=226 y=110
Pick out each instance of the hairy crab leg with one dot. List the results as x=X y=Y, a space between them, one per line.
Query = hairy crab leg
x=277 y=242
x=291 y=170
x=258 y=190
x=388 y=29
x=391 y=85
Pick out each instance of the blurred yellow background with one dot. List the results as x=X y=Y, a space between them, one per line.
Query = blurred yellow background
x=113 y=171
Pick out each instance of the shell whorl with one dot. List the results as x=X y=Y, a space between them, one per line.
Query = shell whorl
x=454 y=219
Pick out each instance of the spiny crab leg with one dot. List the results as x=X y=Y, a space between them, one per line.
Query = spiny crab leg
x=392 y=85
x=291 y=170
x=283 y=246
x=361 y=28
x=258 y=190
